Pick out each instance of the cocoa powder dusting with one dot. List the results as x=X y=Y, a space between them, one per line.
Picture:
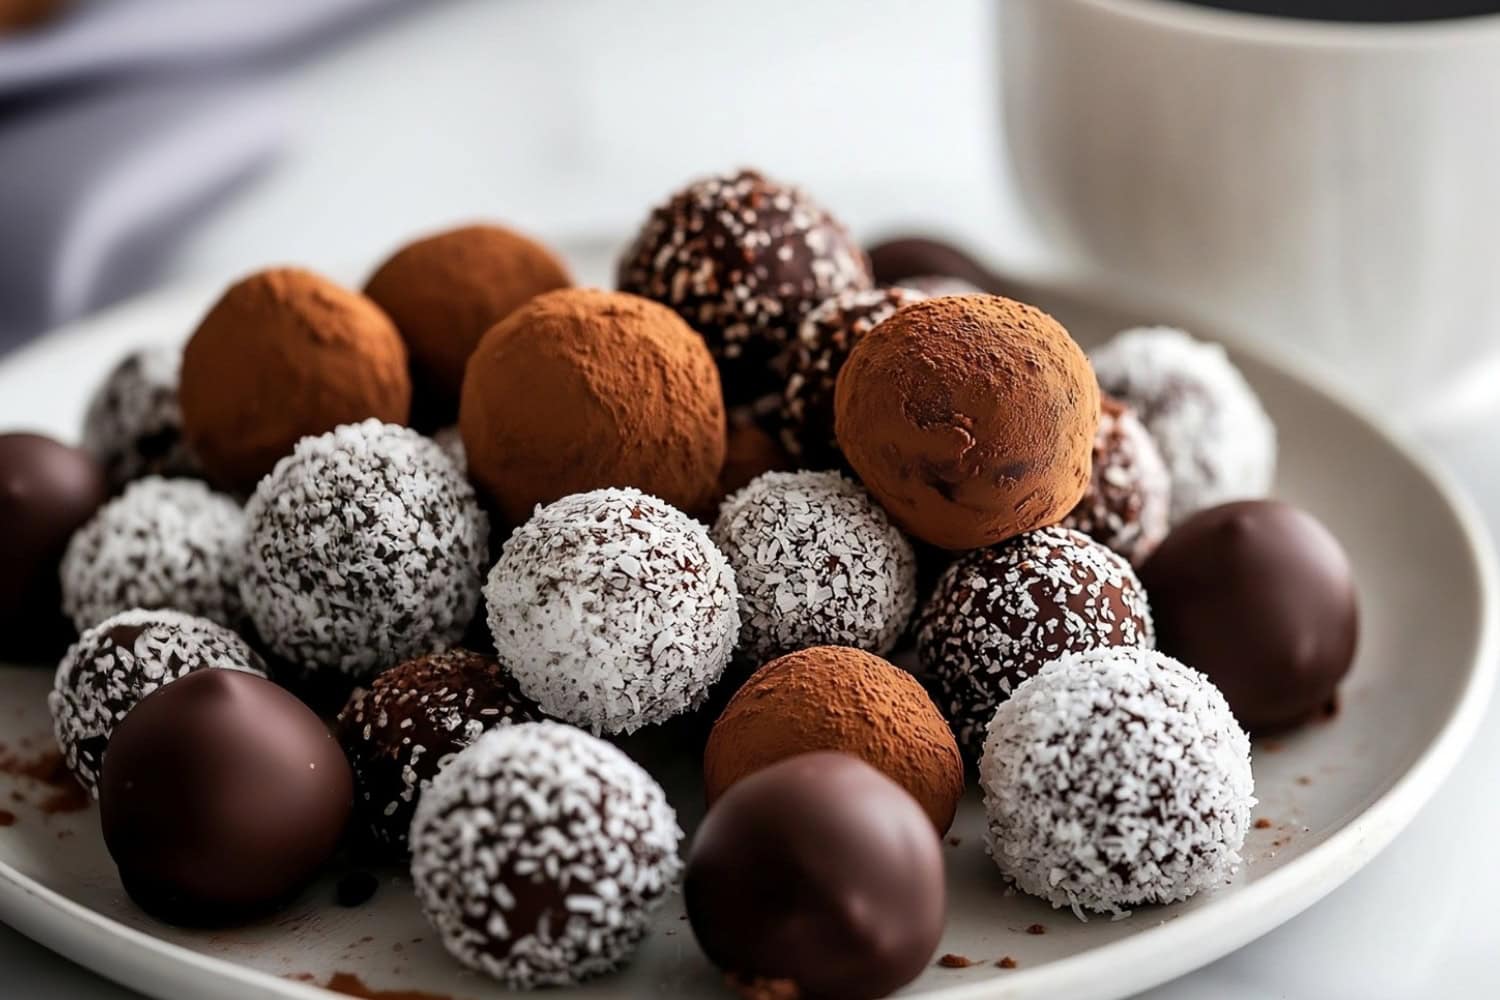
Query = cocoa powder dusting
x=64 y=793
x=1263 y=824
x=762 y=989
x=351 y=985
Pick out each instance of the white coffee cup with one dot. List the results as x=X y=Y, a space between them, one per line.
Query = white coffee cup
x=1333 y=186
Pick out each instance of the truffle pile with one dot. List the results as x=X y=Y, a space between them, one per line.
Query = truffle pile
x=685 y=516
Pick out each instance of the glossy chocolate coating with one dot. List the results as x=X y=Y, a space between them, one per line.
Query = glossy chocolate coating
x=47 y=491
x=924 y=257
x=1259 y=596
x=822 y=871
x=222 y=795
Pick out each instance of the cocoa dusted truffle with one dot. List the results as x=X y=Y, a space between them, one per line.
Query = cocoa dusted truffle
x=407 y=725
x=444 y=291
x=613 y=610
x=812 y=361
x=837 y=698
x=163 y=543
x=999 y=615
x=971 y=419
x=821 y=872
x=133 y=425
x=47 y=492
x=222 y=796
x=1216 y=439
x=366 y=547
x=540 y=854
x=118 y=662
x=743 y=259
x=581 y=389
x=817 y=562
x=1129 y=497
x=1260 y=597
x=1116 y=778
x=285 y=354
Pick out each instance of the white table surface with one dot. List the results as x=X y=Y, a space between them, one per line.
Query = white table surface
x=571 y=118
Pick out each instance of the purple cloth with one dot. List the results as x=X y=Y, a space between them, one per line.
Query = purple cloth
x=124 y=121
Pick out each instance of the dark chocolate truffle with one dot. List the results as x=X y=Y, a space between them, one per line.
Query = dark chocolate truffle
x=812 y=362
x=118 y=662
x=837 y=698
x=1000 y=614
x=540 y=854
x=134 y=422
x=581 y=390
x=1116 y=778
x=743 y=259
x=1130 y=493
x=47 y=491
x=821 y=871
x=445 y=291
x=366 y=547
x=222 y=796
x=971 y=419
x=285 y=354
x=407 y=725
x=1260 y=597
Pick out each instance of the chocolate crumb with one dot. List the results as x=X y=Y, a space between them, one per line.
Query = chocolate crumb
x=1037 y=929
x=1263 y=824
x=1006 y=963
x=955 y=841
x=356 y=889
x=1303 y=779
x=952 y=961
x=351 y=985
x=763 y=989
x=7 y=818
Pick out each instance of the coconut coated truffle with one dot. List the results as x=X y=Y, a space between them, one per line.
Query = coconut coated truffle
x=366 y=548
x=842 y=699
x=285 y=354
x=444 y=291
x=1129 y=497
x=970 y=418
x=133 y=425
x=540 y=853
x=163 y=543
x=613 y=610
x=581 y=389
x=821 y=871
x=812 y=361
x=1216 y=439
x=999 y=615
x=817 y=563
x=1116 y=778
x=118 y=662
x=406 y=726
x=743 y=258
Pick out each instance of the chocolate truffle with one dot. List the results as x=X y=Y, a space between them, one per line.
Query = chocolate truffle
x=837 y=698
x=613 y=610
x=1116 y=778
x=118 y=662
x=812 y=362
x=581 y=389
x=163 y=543
x=999 y=615
x=1130 y=493
x=406 y=726
x=222 y=796
x=970 y=419
x=750 y=452
x=743 y=259
x=133 y=425
x=817 y=563
x=286 y=354
x=47 y=491
x=899 y=260
x=366 y=548
x=1260 y=597
x=540 y=853
x=1215 y=438
x=821 y=871
x=444 y=291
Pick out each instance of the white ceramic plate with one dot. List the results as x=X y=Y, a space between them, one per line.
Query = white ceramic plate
x=1333 y=794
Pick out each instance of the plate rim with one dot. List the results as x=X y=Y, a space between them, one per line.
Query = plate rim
x=1156 y=955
